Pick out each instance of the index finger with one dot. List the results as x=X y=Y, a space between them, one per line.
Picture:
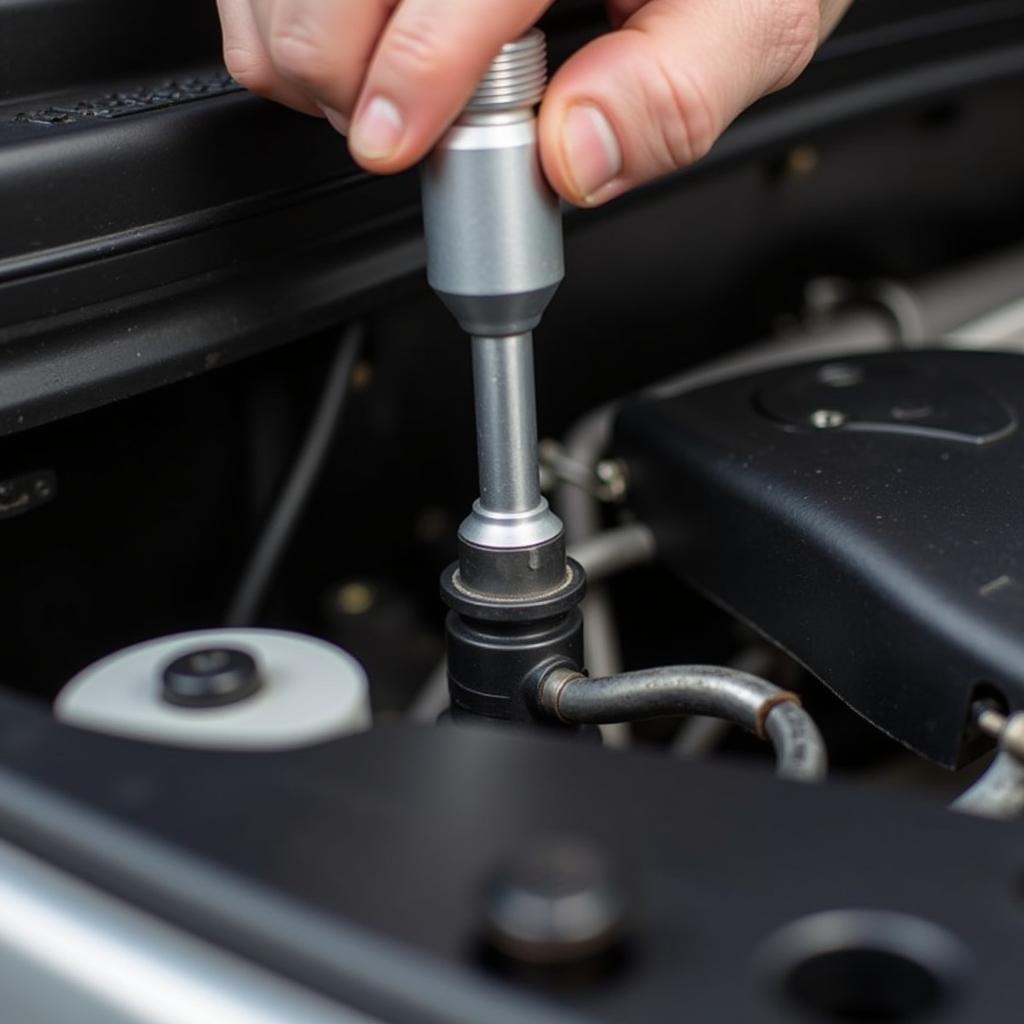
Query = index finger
x=427 y=64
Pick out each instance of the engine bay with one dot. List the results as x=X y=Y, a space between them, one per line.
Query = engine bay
x=260 y=765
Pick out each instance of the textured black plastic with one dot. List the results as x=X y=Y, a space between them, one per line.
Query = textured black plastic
x=499 y=649
x=493 y=667
x=201 y=224
x=882 y=547
x=358 y=867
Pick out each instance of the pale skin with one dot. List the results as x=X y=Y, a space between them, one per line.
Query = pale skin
x=646 y=99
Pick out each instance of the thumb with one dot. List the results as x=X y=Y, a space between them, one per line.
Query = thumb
x=655 y=95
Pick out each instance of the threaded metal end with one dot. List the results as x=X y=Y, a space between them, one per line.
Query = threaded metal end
x=516 y=78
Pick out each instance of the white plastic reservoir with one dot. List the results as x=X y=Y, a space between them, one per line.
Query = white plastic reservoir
x=302 y=691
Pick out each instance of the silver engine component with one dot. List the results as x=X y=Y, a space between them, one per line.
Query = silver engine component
x=494 y=256
x=493 y=225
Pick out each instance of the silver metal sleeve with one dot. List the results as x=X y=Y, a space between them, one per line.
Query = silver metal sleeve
x=506 y=423
x=493 y=225
x=494 y=256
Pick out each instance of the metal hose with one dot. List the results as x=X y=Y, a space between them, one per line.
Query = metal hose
x=272 y=546
x=607 y=554
x=999 y=793
x=699 y=735
x=757 y=705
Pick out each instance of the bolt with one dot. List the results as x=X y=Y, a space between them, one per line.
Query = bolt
x=827 y=419
x=555 y=903
x=1007 y=729
x=613 y=478
x=211 y=678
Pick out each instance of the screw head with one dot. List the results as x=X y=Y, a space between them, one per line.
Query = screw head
x=827 y=419
x=211 y=678
x=555 y=903
x=614 y=480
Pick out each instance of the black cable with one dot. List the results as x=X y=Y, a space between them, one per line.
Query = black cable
x=277 y=534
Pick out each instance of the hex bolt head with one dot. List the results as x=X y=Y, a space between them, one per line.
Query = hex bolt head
x=210 y=678
x=556 y=903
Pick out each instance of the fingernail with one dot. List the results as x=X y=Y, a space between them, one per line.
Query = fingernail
x=378 y=130
x=592 y=150
x=338 y=121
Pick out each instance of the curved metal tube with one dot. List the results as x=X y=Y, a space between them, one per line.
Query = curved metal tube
x=273 y=543
x=607 y=554
x=604 y=555
x=999 y=793
x=757 y=705
x=699 y=736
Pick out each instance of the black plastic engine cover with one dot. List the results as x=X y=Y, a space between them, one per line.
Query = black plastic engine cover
x=158 y=223
x=865 y=515
x=356 y=868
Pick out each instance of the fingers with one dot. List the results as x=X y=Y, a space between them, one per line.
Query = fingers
x=247 y=60
x=620 y=11
x=633 y=105
x=426 y=65
x=322 y=48
x=403 y=68
x=654 y=96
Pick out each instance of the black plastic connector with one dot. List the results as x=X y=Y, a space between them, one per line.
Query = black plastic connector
x=498 y=648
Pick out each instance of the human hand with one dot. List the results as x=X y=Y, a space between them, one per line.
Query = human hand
x=648 y=98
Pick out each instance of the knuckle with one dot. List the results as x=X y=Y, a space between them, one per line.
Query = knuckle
x=248 y=69
x=684 y=121
x=297 y=49
x=417 y=48
x=793 y=34
x=697 y=121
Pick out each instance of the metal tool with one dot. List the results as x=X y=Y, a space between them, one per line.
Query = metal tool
x=494 y=256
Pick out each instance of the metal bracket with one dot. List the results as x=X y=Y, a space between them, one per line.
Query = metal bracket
x=608 y=481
